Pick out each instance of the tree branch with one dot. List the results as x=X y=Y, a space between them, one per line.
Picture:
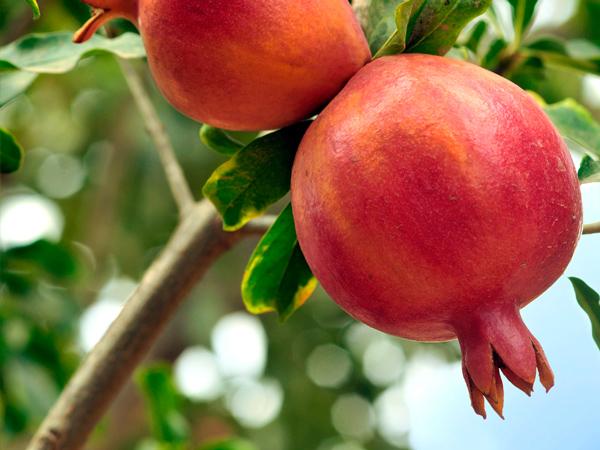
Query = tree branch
x=592 y=228
x=258 y=226
x=195 y=245
x=177 y=182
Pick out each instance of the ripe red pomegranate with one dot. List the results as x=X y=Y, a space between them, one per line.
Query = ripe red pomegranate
x=244 y=64
x=434 y=199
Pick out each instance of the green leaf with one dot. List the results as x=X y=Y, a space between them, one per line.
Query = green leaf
x=35 y=8
x=163 y=401
x=277 y=277
x=584 y=54
x=394 y=42
x=14 y=83
x=380 y=22
x=255 y=178
x=575 y=123
x=11 y=153
x=51 y=258
x=438 y=39
x=492 y=57
x=229 y=444
x=589 y=300
x=427 y=16
x=578 y=54
x=476 y=35
x=29 y=386
x=549 y=44
x=461 y=53
x=523 y=14
x=219 y=141
x=56 y=53
x=430 y=26
x=16 y=283
x=589 y=171
x=583 y=49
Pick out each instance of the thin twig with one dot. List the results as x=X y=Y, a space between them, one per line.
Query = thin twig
x=592 y=228
x=195 y=245
x=175 y=177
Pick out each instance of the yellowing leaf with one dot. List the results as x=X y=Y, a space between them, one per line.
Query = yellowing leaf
x=34 y=7
x=255 y=178
x=277 y=277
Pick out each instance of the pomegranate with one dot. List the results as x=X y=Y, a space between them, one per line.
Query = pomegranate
x=244 y=64
x=434 y=199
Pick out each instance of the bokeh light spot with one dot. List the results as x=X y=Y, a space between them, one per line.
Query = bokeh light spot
x=96 y=320
x=352 y=416
x=26 y=218
x=255 y=404
x=100 y=315
x=197 y=374
x=553 y=13
x=392 y=416
x=60 y=176
x=240 y=345
x=591 y=90
x=359 y=336
x=383 y=362
x=328 y=366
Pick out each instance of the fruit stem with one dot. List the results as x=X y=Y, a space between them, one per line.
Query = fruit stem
x=104 y=11
x=99 y=18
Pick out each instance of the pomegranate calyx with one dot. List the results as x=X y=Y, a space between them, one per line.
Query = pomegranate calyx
x=544 y=370
x=524 y=386
x=499 y=341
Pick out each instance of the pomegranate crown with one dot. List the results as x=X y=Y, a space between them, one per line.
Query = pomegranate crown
x=103 y=11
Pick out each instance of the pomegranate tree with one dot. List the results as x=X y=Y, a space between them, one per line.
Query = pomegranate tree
x=433 y=199
x=244 y=65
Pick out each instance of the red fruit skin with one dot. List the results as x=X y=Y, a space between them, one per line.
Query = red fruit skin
x=433 y=199
x=249 y=65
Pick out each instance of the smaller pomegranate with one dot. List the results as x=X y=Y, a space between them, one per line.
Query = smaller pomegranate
x=434 y=199
x=244 y=64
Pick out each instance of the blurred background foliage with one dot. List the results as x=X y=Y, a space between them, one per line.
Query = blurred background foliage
x=89 y=211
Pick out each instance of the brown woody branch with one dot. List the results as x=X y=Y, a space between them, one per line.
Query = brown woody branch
x=175 y=177
x=197 y=242
x=592 y=228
